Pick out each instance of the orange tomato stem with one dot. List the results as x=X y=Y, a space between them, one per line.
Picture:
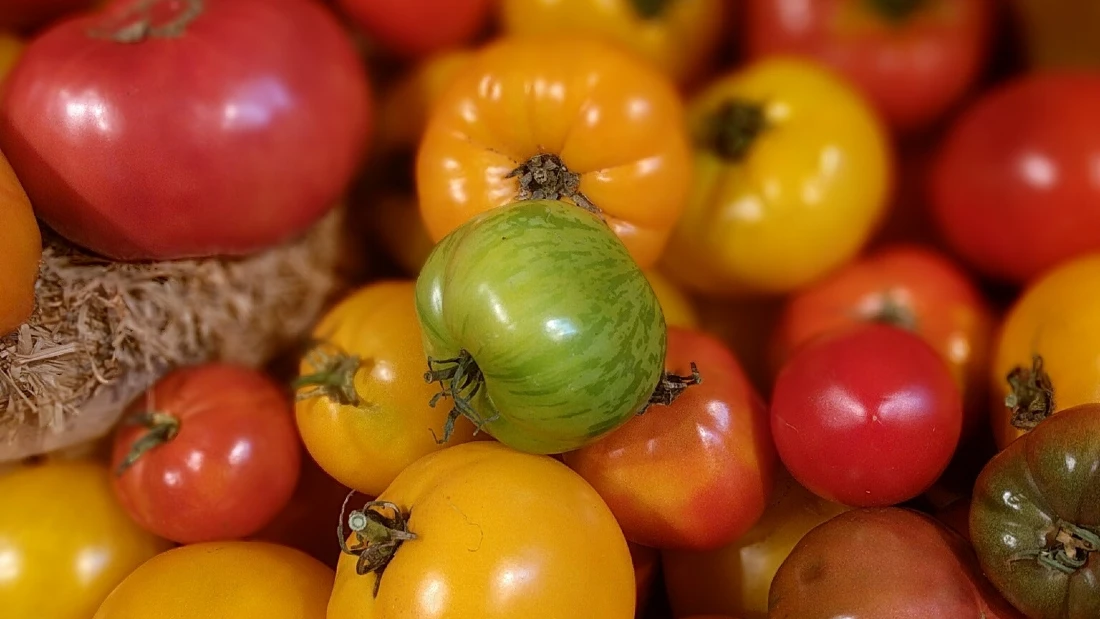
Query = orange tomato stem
x=732 y=128
x=377 y=536
x=648 y=9
x=334 y=378
x=671 y=387
x=1031 y=397
x=895 y=10
x=163 y=427
x=460 y=379
x=546 y=177
x=137 y=24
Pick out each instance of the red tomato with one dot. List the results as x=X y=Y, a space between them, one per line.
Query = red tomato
x=866 y=416
x=158 y=130
x=913 y=59
x=419 y=27
x=693 y=475
x=956 y=515
x=910 y=287
x=646 y=561
x=209 y=453
x=1016 y=183
x=27 y=14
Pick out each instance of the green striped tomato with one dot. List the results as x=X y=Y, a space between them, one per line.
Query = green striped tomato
x=539 y=326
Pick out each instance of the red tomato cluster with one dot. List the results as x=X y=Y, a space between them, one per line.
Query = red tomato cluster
x=676 y=309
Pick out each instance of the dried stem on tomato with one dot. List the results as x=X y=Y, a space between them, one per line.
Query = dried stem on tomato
x=1031 y=397
x=671 y=387
x=460 y=379
x=334 y=376
x=377 y=536
x=546 y=177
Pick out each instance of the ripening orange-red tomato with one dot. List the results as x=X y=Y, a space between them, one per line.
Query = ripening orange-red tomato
x=560 y=118
x=20 y=251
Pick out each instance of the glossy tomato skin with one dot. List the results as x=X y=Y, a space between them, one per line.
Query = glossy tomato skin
x=245 y=580
x=1056 y=318
x=24 y=15
x=805 y=164
x=866 y=416
x=220 y=158
x=1017 y=198
x=415 y=28
x=230 y=469
x=606 y=115
x=365 y=444
x=735 y=578
x=907 y=286
x=524 y=291
x=505 y=534
x=20 y=251
x=679 y=37
x=912 y=66
x=918 y=568
x=65 y=541
x=693 y=475
x=1036 y=508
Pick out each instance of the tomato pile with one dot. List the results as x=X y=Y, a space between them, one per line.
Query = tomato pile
x=676 y=308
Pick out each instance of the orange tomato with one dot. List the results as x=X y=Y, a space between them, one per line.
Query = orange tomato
x=1055 y=322
x=678 y=308
x=10 y=48
x=404 y=109
x=242 y=580
x=679 y=37
x=400 y=231
x=558 y=117
x=363 y=407
x=20 y=251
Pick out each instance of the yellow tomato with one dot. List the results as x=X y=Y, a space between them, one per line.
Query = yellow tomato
x=20 y=251
x=64 y=540
x=678 y=308
x=10 y=48
x=363 y=406
x=499 y=534
x=223 y=580
x=678 y=36
x=558 y=117
x=404 y=109
x=1057 y=320
x=400 y=231
x=734 y=580
x=792 y=175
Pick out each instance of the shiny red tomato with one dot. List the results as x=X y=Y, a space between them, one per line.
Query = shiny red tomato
x=695 y=474
x=1016 y=183
x=24 y=15
x=167 y=129
x=209 y=453
x=419 y=27
x=913 y=59
x=866 y=416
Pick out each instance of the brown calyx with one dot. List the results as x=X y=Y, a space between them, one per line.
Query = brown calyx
x=1031 y=395
x=546 y=177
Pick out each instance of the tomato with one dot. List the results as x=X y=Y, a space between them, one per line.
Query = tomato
x=678 y=308
x=492 y=534
x=694 y=475
x=29 y=14
x=521 y=336
x=866 y=416
x=11 y=47
x=64 y=541
x=363 y=407
x=1047 y=356
x=394 y=220
x=1017 y=198
x=209 y=453
x=243 y=580
x=646 y=562
x=413 y=28
x=680 y=37
x=735 y=579
x=909 y=287
x=1059 y=33
x=20 y=251
x=403 y=110
x=219 y=157
x=560 y=118
x=917 y=566
x=792 y=172
x=912 y=59
x=956 y=515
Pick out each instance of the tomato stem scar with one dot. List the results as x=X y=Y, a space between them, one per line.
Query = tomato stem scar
x=545 y=177
x=730 y=130
x=334 y=376
x=671 y=386
x=460 y=379
x=137 y=23
x=163 y=427
x=377 y=536
x=1031 y=396
x=895 y=10
x=648 y=9
x=893 y=312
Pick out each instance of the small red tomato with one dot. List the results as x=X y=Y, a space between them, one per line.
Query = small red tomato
x=866 y=416
x=909 y=287
x=209 y=453
x=1016 y=183
x=912 y=59
x=414 y=28
x=695 y=474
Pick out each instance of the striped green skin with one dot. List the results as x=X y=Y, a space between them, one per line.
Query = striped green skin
x=563 y=324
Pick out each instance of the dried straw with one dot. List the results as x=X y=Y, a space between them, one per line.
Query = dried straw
x=103 y=331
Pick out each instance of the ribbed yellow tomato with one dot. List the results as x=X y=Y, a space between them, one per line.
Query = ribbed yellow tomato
x=559 y=118
x=498 y=534
x=677 y=36
x=64 y=540
x=792 y=175
x=363 y=405
x=1056 y=322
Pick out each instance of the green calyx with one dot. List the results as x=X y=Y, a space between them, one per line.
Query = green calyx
x=334 y=376
x=649 y=9
x=378 y=530
x=162 y=428
x=1031 y=395
x=895 y=11
x=1068 y=550
x=460 y=379
x=894 y=313
x=138 y=24
x=732 y=128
